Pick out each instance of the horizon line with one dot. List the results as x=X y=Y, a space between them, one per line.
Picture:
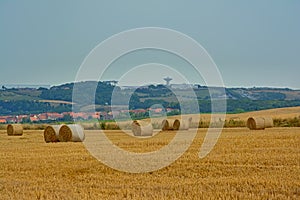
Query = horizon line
x=37 y=85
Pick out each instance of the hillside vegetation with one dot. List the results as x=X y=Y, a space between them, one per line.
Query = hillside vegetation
x=59 y=98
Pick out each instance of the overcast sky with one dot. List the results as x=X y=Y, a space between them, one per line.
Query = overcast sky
x=253 y=43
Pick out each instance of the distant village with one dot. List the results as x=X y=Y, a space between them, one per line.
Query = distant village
x=68 y=116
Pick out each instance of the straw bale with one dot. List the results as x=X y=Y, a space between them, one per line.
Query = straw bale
x=140 y=129
x=14 y=130
x=71 y=133
x=51 y=133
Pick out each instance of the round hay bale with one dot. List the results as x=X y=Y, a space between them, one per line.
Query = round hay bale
x=165 y=125
x=14 y=130
x=51 y=133
x=176 y=124
x=183 y=124
x=71 y=133
x=268 y=122
x=139 y=130
x=259 y=123
x=256 y=123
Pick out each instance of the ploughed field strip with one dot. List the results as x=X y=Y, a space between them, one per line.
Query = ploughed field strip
x=244 y=164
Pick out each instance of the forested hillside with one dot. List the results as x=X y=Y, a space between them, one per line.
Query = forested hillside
x=29 y=100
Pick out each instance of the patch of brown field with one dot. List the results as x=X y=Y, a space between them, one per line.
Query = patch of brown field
x=243 y=165
x=274 y=113
x=57 y=102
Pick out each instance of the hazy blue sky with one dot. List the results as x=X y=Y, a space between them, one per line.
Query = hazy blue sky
x=253 y=43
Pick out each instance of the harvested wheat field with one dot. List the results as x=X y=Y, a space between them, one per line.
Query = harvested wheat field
x=288 y=112
x=244 y=164
x=277 y=113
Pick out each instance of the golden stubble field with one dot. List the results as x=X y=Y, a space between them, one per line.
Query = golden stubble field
x=244 y=164
x=276 y=113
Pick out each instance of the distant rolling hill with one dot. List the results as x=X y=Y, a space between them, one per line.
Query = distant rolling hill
x=264 y=93
x=19 y=94
x=32 y=100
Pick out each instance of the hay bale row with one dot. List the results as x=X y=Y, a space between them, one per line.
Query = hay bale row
x=183 y=124
x=64 y=133
x=259 y=123
x=140 y=129
x=14 y=130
